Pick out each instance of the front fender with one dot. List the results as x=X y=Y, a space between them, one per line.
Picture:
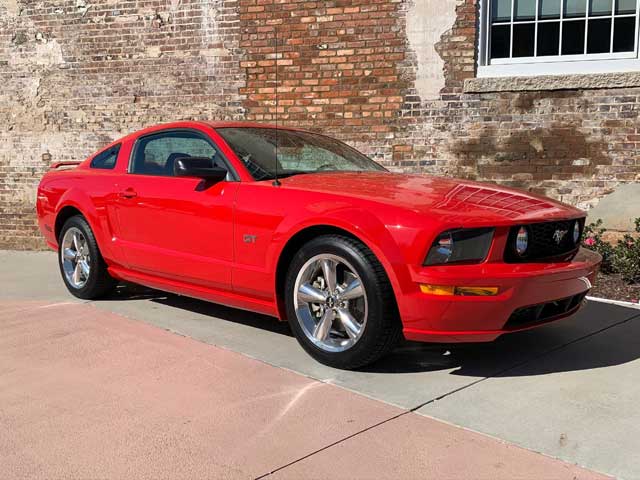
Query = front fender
x=360 y=223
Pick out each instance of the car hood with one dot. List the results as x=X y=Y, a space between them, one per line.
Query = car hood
x=465 y=201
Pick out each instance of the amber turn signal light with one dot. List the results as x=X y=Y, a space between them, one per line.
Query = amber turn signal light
x=461 y=291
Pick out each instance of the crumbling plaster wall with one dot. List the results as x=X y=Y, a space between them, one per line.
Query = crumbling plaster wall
x=427 y=21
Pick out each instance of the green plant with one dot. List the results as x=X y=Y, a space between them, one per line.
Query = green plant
x=592 y=239
x=623 y=258
x=626 y=258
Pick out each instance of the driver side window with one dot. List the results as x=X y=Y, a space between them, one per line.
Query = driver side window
x=156 y=154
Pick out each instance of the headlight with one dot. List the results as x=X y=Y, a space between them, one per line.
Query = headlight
x=522 y=241
x=460 y=246
x=576 y=232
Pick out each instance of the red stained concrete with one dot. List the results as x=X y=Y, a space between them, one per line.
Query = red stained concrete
x=89 y=394
x=414 y=446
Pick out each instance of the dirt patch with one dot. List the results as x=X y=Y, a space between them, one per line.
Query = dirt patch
x=562 y=145
x=524 y=101
x=614 y=288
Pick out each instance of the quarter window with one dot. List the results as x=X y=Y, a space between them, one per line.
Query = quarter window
x=520 y=32
x=106 y=160
x=156 y=154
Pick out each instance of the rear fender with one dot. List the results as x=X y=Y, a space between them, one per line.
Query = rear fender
x=95 y=216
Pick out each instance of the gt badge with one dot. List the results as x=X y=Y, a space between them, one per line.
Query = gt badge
x=247 y=238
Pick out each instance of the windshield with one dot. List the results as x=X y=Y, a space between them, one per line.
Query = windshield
x=298 y=152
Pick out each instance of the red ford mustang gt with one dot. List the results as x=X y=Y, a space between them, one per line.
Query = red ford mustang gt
x=305 y=228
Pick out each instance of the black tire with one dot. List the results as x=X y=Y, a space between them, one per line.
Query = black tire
x=99 y=281
x=382 y=330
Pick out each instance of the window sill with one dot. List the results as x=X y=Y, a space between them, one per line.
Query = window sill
x=552 y=82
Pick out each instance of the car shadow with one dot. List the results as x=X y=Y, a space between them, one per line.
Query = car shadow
x=563 y=347
x=131 y=291
x=601 y=335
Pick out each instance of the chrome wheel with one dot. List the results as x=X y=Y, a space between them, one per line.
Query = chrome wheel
x=330 y=303
x=75 y=258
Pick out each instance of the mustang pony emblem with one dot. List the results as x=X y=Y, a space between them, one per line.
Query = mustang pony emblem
x=558 y=235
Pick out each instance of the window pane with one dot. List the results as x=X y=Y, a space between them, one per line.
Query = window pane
x=599 y=36
x=156 y=155
x=501 y=10
x=549 y=9
x=524 y=10
x=106 y=160
x=575 y=8
x=500 y=40
x=297 y=152
x=624 y=34
x=548 y=39
x=573 y=37
x=625 y=6
x=523 y=39
x=600 y=7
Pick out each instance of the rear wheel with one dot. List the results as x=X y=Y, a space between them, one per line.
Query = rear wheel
x=82 y=267
x=340 y=303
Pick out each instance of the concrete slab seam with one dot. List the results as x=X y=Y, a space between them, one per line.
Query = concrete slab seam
x=414 y=409
x=406 y=411
x=524 y=362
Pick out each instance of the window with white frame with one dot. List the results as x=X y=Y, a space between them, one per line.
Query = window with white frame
x=558 y=36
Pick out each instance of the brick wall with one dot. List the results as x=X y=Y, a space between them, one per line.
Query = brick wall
x=379 y=74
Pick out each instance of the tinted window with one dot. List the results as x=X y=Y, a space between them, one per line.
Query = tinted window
x=156 y=154
x=298 y=152
x=106 y=159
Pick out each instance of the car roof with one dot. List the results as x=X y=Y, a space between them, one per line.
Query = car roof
x=191 y=124
x=240 y=124
x=208 y=123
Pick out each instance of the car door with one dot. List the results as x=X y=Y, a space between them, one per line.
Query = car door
x=176 y=227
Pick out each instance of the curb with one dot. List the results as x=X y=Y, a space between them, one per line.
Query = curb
x=615 y=302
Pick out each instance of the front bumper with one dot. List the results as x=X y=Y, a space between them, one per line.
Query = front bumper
x=545 y=292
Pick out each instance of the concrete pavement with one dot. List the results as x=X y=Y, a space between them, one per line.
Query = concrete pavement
x=566 y=390
x=89 y=394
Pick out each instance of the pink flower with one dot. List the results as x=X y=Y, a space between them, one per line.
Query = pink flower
x=589 y=241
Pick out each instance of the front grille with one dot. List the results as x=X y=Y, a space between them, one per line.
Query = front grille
x=543 y=242
x=543 y=312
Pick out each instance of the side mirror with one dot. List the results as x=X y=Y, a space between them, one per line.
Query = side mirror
x=199 y=167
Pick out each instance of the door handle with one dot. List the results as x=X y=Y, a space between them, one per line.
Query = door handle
x=128 y=193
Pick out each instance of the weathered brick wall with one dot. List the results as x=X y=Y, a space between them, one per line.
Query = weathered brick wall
x=385 y=75
x=339 y=67
x=77 y=74
x=574 y=145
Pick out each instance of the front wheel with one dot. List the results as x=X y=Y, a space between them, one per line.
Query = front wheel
x=340 y=303
x=82 y=267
